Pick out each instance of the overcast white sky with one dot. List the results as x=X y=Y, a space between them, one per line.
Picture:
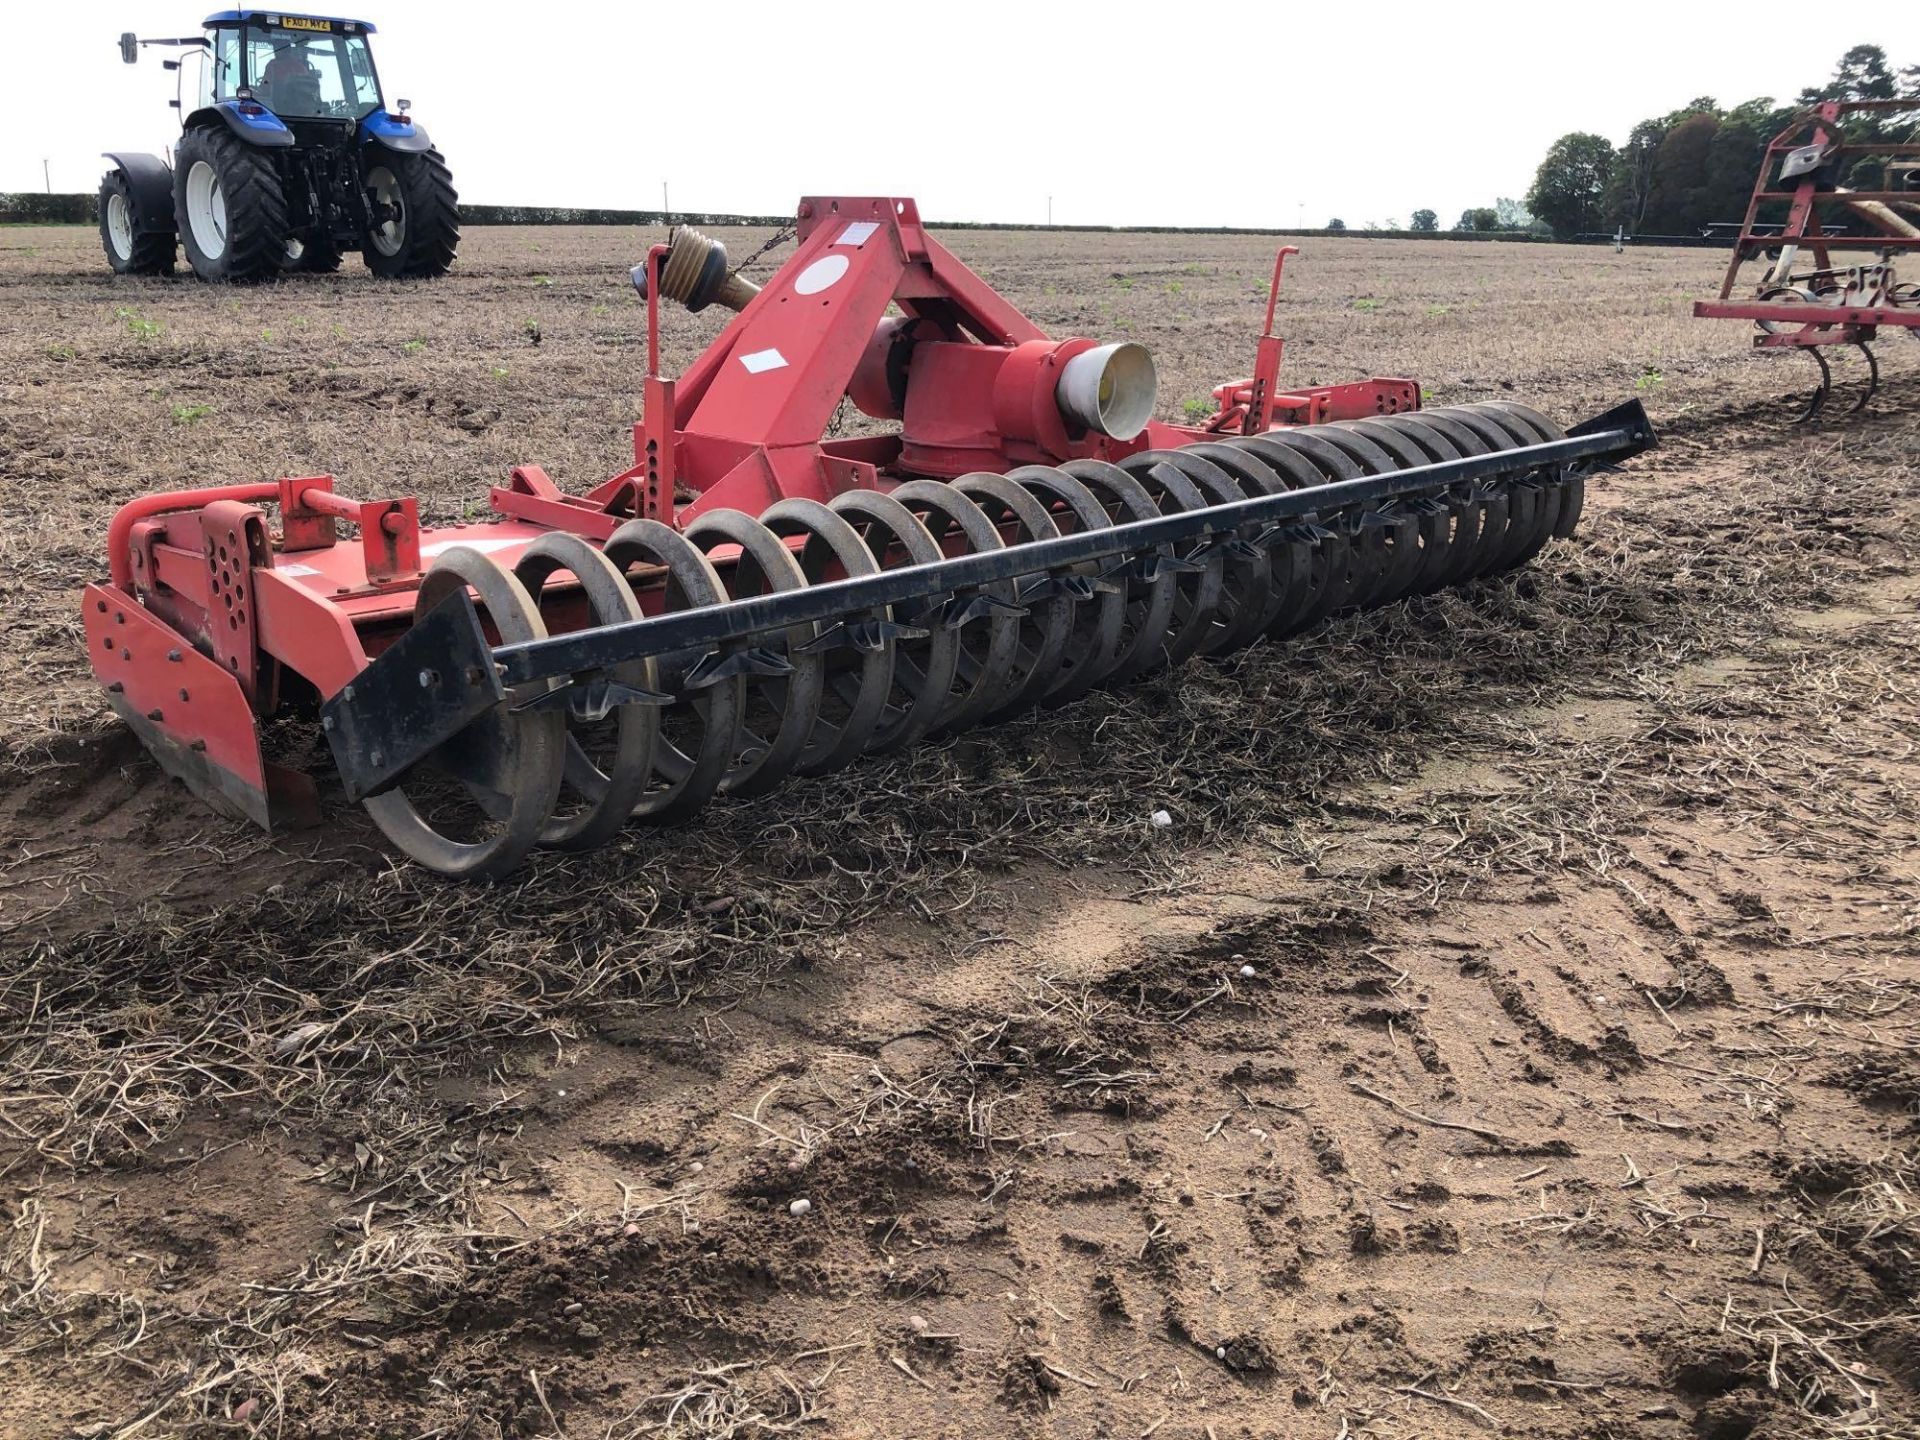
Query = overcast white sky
x=1123 y=112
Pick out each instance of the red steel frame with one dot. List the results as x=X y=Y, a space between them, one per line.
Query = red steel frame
x=1866 y=301
x=211 y=619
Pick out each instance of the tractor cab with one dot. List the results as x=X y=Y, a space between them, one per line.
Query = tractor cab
x=297 y=67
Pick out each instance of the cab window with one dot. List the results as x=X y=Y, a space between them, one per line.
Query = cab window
x=220 y=74
x=303 y=74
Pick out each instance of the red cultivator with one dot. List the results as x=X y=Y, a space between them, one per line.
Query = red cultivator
x=1810 y=309
x=751 y=601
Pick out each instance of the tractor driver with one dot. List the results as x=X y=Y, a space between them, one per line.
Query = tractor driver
x=291 y=83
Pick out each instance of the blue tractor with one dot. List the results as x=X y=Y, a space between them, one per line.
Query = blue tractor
x=288 y=158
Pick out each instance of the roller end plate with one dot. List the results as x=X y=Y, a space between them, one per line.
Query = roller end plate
x=192 y=715
x=419 y=693
x=1629 y=416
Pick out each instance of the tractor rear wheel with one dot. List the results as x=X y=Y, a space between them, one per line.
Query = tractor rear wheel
x=230 y=209
x=414 y=225
x=131 y=250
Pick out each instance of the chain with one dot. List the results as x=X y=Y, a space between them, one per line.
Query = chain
x=780 y=237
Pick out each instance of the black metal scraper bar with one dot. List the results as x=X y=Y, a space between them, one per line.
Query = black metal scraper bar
x=1627 y=431
x=390 y=718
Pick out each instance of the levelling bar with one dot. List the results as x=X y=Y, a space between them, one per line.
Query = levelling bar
x=443 y=674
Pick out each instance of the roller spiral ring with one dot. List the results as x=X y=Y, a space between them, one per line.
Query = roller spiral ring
x=813 y=698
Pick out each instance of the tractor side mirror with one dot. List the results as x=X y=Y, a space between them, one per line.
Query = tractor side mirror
x=130 y=48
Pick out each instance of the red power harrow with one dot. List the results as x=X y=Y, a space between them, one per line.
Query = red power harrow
x=1811 y=308
x=750 y=601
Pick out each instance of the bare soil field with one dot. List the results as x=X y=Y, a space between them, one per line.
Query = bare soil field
x=1516 y=1031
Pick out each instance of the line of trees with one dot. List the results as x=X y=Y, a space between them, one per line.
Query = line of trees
x=1503 y=214
x=1679 y=173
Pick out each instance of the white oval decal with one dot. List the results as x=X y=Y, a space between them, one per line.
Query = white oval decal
x=822 y=274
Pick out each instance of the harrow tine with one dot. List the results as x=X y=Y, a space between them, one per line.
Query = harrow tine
x=1081 y=588
x=691 y=757
x=591 y=699
x=850 y=713
x=1099 y=605
x=1038 y=664
x=1303 y=553
x=1817 y=401
x=608 y=780
x=869 y=636
x=784 y=688
x=1151 y=582
x=1293 y=532
x=1460 y=520
x=1873 y=378
x=1250 y=552
x=965 y=609
x=1222 y=475
x=1152 y=564
x=1196 y=594
x=717 y=665
x=985 y=655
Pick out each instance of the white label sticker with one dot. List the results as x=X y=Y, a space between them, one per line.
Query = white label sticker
x=858 y=233
x=761 y=361
x=297 y=571
x=485 y=547
x=822 y=274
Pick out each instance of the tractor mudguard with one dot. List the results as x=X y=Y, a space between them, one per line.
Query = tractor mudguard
x=394 y=133
x=150 y=186
x=265 y=129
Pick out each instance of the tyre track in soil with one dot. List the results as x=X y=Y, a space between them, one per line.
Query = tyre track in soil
x=1570 y=1093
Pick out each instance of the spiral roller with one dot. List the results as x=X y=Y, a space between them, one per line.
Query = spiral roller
x=811 y=698
x=761 y=595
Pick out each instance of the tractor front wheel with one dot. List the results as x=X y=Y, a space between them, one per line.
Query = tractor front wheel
x=130 y=250
x=413 y=223
x=231 y=211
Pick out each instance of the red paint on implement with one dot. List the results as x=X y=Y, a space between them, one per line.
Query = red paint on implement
x=262 y=618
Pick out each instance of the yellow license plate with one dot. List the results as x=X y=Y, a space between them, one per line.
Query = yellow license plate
x=301 y=22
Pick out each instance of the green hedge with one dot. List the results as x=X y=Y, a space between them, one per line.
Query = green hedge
x=558 y=215
x=33 y=209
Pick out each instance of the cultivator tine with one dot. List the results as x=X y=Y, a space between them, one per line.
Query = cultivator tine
x=1816 y=402
x=1873 y=378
